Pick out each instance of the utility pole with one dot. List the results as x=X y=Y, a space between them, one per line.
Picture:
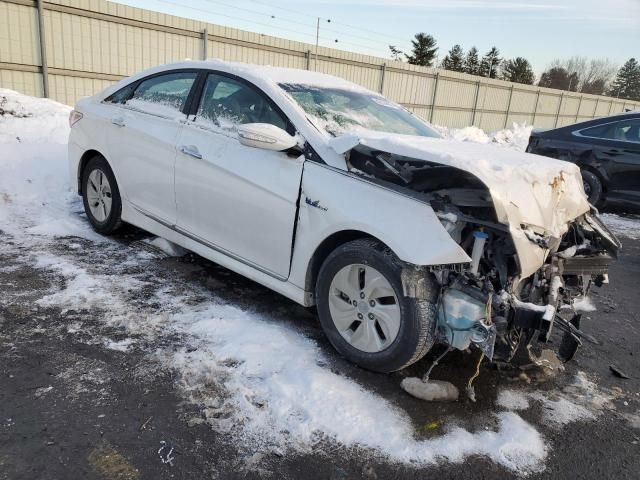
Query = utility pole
x=315 y=63
x=315 y=67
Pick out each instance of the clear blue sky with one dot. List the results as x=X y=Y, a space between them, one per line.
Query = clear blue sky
x=540 y=30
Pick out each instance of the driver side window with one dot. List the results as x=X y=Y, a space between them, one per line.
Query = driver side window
x=226 y=103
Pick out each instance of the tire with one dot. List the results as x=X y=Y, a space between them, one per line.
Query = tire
x=376 y=273
x=101 y=196
x=593 y=188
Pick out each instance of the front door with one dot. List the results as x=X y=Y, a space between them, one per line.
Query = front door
x=237 y=199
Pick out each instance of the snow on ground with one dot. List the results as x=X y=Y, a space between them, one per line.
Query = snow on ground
x=627 y=226
x=262 y=382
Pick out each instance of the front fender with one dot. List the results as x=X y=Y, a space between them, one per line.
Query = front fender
x=333 y=201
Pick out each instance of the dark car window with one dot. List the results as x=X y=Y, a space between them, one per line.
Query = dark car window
x=226 y=103
x=163 y=95
x=623 y=131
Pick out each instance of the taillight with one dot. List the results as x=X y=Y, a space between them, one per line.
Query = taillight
x=74 y=117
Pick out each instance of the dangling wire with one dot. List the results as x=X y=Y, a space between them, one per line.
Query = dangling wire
x=425 y=378
x=470 y=390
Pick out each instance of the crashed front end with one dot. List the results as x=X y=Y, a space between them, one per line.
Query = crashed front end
x=535 y=244
x=490 y=305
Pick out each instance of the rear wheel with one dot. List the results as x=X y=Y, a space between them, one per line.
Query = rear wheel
x=101 y=196
x=592 y=187
x=364 y=312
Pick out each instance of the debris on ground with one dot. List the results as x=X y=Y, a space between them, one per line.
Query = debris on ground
x=617 y=372
x=430 y=391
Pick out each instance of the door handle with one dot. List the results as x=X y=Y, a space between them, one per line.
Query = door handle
x=119 y=122
x=191 y=151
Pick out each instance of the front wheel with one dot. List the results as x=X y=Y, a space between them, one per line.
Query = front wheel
x=364 y=312
x=101 y=196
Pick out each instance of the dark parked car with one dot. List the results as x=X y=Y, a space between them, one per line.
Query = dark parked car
x=607 y=150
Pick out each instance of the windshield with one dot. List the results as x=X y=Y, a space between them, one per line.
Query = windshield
x=339 y=111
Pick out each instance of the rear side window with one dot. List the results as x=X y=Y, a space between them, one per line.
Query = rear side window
x=623 y=131
x=164 y=95
x=226 y=103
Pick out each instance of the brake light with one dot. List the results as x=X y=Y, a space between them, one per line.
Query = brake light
x=74 y=117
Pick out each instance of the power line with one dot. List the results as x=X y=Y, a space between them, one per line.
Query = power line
x=374 y=32
x=307 y=34
x=297 y=22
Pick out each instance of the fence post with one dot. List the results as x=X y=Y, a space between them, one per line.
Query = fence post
x=475 y=104
x=595 y=109
x=506 y=117
x=535 y=109
x=308 y=55
x=205 y=43
x=383 y=70
x=433 y=100
x=610 y=106
x=43 y=52
x=559 y=108
x=579 y=105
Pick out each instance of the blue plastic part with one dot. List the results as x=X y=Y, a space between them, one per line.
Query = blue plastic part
x=479 y=234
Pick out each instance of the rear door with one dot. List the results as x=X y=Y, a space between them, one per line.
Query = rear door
x=142 y=141
x=233 y=198
x=617 y=146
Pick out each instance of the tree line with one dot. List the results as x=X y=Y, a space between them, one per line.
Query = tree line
x=576 y=74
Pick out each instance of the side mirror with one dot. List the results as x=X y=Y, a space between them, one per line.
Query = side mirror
x=265 y=136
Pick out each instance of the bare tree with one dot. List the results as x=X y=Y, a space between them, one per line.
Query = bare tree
x=587 y=76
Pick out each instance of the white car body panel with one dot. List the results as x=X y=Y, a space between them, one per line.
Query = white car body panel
x=144 y=152
x=237 y=205
x=239 y=198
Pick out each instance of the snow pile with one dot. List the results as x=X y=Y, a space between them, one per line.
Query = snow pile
x=516 y=137
x=25 y=119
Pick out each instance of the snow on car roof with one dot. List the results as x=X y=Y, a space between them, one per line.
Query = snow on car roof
x=277 y=75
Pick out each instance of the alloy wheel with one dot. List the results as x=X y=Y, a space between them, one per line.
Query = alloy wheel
x=364 y=308
x=99 y=195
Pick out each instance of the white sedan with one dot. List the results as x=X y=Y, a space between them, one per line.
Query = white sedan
x=334 y=196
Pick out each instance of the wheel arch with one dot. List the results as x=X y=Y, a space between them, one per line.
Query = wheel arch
x=324 y=249
x=589 y=162
x=84 y=159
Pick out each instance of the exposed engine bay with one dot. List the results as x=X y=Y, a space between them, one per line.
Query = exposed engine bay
x=488 y=303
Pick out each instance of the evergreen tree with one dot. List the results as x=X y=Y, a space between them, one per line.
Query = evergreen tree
x=627 y=82
x=471 y=62
x=454 y=60
x=396 y=53
x=424 y=50
x=490 y=63
x=518 y=70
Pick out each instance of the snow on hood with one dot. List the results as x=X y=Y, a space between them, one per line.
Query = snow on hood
x=541 y=192
x=530 y=191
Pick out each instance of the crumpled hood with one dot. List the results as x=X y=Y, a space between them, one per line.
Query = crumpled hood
x=542 y=193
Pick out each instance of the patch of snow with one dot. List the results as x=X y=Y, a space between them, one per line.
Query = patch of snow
x=169 y=248
x=581 y=400
x=512 y=400
x=120 y=346
x=627 y=226
x=584 y=304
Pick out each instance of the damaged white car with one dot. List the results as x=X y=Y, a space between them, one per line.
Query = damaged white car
x=334 y=196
